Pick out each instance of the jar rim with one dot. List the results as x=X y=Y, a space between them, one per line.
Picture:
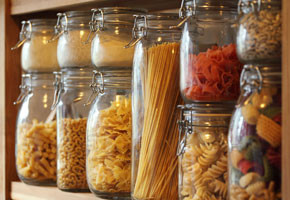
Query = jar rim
x=121 y=10
x=208 y=109
x=215 y=5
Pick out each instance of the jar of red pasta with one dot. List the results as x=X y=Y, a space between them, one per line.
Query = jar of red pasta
x=210 y=68
x=202 y=151
x=255 y=136
x=36 y=130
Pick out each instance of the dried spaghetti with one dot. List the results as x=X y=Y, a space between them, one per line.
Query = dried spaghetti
x=156 y=176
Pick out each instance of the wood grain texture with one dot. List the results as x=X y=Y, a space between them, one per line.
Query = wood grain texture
x=32 y=6
x=286 y=101
x=20 y=191
x=12 y=80
x=2 y=99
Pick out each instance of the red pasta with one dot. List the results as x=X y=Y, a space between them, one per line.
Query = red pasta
x=213 y=75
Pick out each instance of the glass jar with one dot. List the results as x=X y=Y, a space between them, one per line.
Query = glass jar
x=113 y=27
x=72 y=92
x=210 y=69
x=260 y=31
x=37 y=54
x=73 y=29
x=155 y=97
x=109 y=131
x=255 y=136
x=203 y=151
x=36 y=130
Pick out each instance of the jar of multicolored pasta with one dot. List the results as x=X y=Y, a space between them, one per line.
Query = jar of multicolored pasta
x=36 y=130
x=109 y=132
x=72 y=89
x=154 y=102
x=255 y=136
x=210 y=69
x=203 y=150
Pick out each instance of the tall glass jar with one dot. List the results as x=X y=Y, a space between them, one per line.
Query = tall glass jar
x=113 y=27
x=203 y=151
x=109 y=131
x=260 y=31
x=154 y=101
x=210 y=69
x=255 y=136
x=36 y=130
x=37 y=54
x=72 y=92
x=73 y=29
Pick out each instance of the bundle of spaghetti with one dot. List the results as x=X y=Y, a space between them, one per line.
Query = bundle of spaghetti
x=157 y=176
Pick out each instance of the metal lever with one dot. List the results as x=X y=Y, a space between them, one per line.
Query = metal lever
x=95 y=87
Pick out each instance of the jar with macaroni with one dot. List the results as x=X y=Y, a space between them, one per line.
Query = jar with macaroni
x=112 y=27
x=109 y=133
x=71 y=93
x=202 y=151
x=255 y=136
x=37 y=54
x=71 y=32
x=36 y=130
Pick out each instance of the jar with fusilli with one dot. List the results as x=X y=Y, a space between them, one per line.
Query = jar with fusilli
x=202 y=151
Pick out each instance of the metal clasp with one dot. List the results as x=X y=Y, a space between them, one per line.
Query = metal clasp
x=182 y=10
x=135 y=39
x=59 y=28
x=58 y=89
x=94 y=28
x=249 y=3
x=96 y=87
x=24 y=35
x=24 y=89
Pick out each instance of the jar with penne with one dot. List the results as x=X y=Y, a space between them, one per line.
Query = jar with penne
x=36 y=130
x=255 y=136
x=109 y=132
x=202 y=151
x=154 y=102
x=210 y=69
x=71 y=93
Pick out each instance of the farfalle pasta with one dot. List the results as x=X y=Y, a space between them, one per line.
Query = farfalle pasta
x=109 y=149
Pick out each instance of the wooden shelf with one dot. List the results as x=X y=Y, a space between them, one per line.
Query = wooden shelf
x=21 y=191
x=32 y=6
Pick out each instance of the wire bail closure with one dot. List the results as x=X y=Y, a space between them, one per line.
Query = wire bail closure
x=58 y=89
x=135 y=39
x=182 y=13
x=251 y=4
x=96 y=87
x=24 y=35
x=24 y=89
x=59 y=28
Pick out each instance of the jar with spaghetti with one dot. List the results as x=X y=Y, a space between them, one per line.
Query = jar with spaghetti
x=154 y=101
x=37 y=55
x=259 y=36
x=109 y=132
x=36 y=130
x=72 y=30
x=71 y=93
x=255 y=136
x=202 y=151
x=113 y=28
x=210 y=69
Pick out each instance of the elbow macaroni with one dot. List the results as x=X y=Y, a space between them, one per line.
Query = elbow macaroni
x=34 y=159
x=71 y=169
x=109 y=149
